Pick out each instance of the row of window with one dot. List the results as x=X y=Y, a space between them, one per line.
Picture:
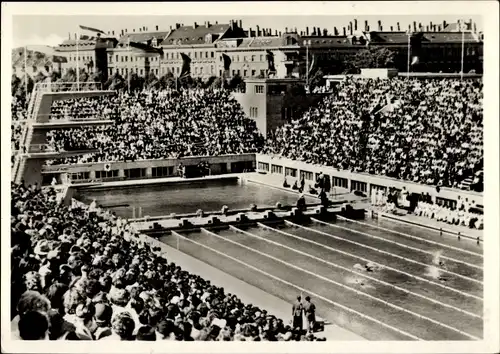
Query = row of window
x=80 y=57
x=130 y=173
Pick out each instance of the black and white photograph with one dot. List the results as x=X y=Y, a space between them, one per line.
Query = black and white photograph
x=250 y=172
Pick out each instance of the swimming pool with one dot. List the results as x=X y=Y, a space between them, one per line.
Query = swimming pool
x=187 y=197
x=420 y=285
x=405 y=296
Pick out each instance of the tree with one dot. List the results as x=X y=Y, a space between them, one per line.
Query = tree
x=372 y=58
x=237 y=83
x=136 y=82
x=15 y=84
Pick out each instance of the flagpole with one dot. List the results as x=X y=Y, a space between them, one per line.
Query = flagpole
x=408 y=68
x=129 y=73
x=77 y=61
x=25 y=73
x=307 y=65
x=462 y=58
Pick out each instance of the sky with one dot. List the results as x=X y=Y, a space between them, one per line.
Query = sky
x=52 y=29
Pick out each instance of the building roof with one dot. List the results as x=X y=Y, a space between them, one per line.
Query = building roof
x=258 y=42
x=326 y=41
x=196 y=35
x=143 y=37
x=455 y=27
x=69 y=45
x=450 y=37
x=436 y=37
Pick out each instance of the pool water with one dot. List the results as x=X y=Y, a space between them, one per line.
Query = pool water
x=187 y=197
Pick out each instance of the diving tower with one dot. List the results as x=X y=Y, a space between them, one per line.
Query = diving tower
x=34 y=148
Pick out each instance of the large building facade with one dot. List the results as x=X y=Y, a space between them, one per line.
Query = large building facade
x=251 y=51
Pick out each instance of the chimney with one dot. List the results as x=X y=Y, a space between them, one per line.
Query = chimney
x=240 y=24
x=113 y=32
x=216 y=22
x=444 y=24
x=366 y=26
x=295 y=30
x=344 y=31
x=157 y=28
x=392 y=29
x=379 y=25
x=286 y=29
x=195 y=25
x=250 y=32
x=335 y=31
x=355 y=24
x=318 y=31
x=399 y=28
x=475 y=28
x=122 y=32
x=276 y=32
x=125 y=30
x=140 y=29
x=427 y=28
x=279 y=33
x=439 y=28
x=133 y=29
x=171 y=28
x=307 y=31
x=145 y=29
x=414 y=26
x=177 y=25
x=381 y=28
x=69 y=35
x=258 y=31
x=420 y=27
x=231 y=23
x=325 y=32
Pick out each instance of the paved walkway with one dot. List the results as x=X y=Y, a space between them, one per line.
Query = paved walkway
x=249 y=294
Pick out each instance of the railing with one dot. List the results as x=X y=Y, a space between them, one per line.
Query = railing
x=55 y=117
x=70 y=86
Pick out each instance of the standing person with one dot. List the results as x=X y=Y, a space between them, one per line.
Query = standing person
x=297 y=311
x=310 y=311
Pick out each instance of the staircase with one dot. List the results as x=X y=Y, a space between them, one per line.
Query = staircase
x=24 y=146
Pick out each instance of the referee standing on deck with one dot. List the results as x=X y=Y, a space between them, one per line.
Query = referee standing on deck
x=297 y=311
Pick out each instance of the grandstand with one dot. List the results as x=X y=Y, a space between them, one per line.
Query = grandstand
x=85 y=272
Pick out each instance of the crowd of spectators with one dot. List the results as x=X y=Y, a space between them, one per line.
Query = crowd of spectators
x=154 y=124
x=19 y=108
x=80 y=273
x=424 y=131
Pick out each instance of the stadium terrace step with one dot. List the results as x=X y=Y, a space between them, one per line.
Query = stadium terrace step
x=71 y=124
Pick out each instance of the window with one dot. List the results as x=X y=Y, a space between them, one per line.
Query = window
x=135 y=173
x=237 y=58
x=244 y=73
x=126 y=58
x=162 y=171
x=178 y=70
x=253 y=73
x=259 y=88
x=211 y=54
x=262 y=73
x=239 y=72
x=339 y=182
x=277 y=169
x=131 y=58
x=211 y=69
x=156 y=70
x=78 y=176
x=106 y=174
x=196 y=70
x=292 y=172
x=206 y=54
x=201 y=70
x=142 y=72
x=261 y=57
x=110 y=71
x=244 y=58
x=262 y=166
x=358 y=186
x=254 y=112
x=195 y=55
x=253 y=57
x=234 y=72
x=306 y=175
x=122 y=58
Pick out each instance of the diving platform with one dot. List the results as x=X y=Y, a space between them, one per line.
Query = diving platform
x=34 y=148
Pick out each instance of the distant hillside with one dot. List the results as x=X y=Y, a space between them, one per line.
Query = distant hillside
x=33 y=58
